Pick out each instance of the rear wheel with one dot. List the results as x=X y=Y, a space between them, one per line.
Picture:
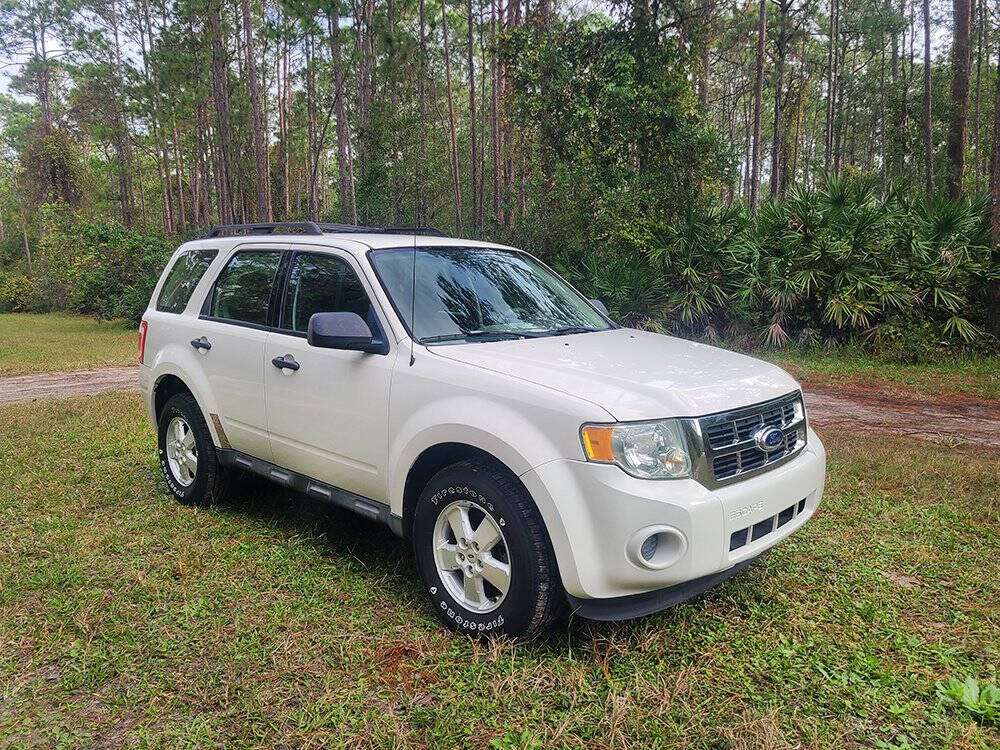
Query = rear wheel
x=187 y=454
x=483 y=553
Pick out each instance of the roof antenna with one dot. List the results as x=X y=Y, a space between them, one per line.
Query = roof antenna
x=413 y=299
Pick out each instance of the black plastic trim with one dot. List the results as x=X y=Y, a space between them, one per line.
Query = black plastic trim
x=639 y=605
x=313 y=228
x=306 y=227
x=363 y=506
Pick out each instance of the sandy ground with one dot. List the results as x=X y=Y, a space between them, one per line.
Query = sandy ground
x=78 y=383
x=948 y=419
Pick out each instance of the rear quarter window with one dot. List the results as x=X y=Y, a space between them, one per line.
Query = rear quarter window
x=182 y=279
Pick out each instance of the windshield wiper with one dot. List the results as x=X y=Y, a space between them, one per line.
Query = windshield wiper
x=471 y=335
x=565 y=330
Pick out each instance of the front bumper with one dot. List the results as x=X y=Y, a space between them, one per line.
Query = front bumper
x=638 y=605
x=596 y=513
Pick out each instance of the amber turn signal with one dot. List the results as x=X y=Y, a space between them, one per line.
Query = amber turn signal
x=597 y=443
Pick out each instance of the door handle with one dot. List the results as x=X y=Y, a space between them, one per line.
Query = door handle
x=201 y=343
x=285 y=363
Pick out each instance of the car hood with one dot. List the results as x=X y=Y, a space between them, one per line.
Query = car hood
x=632 y=374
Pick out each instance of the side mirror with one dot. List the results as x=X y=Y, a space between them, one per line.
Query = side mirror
x=342 y=330
x=601 y=307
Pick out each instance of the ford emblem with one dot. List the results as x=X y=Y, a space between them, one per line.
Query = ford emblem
x=769 y=439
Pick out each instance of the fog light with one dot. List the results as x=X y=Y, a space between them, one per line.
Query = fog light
x=656 y=547
x=648 y=548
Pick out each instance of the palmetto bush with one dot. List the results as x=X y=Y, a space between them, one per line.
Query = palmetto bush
x=843 y=261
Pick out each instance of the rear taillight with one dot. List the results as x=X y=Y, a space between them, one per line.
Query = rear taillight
x=142 y=340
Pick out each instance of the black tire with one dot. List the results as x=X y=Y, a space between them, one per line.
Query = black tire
x=535 y=597
x=209 y=481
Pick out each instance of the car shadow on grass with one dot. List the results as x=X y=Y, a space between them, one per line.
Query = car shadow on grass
x=339 y=534
x=336 y=531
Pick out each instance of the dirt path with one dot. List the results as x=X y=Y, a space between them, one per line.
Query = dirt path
x=950 y=419
x=78 y=383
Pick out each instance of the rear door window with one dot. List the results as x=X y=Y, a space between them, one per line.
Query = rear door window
x=183 y=278
x=243 y=289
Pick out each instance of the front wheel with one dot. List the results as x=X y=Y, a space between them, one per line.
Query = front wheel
x=483 y=553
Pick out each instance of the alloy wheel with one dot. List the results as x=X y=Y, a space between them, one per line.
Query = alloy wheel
x=182 y=451
x=471 y=556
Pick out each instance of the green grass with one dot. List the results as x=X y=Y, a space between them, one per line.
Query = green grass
x=967 y=376
x=48 y=343
x=126 y=619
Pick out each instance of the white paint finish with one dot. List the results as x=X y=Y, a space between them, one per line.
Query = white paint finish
x=439 y=400
x=234 y=371
x=591 y=512
x=359 y=421
x=328 y=419
x=633 y=374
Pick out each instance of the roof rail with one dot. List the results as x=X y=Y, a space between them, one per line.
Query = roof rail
x=311 y=227
x=432 y=231
x=429 y=231
x=352 y=228
x=305 y=227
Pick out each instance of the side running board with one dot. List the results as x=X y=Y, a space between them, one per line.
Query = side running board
x=363 y=506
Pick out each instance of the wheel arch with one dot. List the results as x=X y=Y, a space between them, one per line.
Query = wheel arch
x=167 y=385
x=432 y=460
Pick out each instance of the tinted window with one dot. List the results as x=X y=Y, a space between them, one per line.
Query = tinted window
x=182 y=279
x=243 y=290
x=323 y=283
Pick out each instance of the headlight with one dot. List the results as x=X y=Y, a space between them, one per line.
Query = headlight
x=648 y=450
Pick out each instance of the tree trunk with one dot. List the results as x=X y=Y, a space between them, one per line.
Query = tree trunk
x=123 y=150
x=494 y=109
x=706 y=69
x=928 y=146
x=220 y=97
x=286 y=146
x=451 y=121
x=981 y=12
x=312 y=153
x=345 y=182
x=421 y=204
x=993 y=287
x=473 y=150
x=779 y=82
x=27 y=245
x=757 y=106
x=178 y=160
x=959 y=98
x=831 y=85
x=259 y=147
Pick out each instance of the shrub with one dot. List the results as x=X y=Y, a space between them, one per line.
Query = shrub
x=94 y=267
x=116 y=270
x=842 y=262
x=19 y=293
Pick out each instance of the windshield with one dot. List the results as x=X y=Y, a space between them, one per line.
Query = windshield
x=466 y=293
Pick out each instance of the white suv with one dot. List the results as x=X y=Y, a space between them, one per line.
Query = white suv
x=537 y=455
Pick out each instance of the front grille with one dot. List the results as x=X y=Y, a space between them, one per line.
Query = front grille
x=728 y=432
x=762 y=528
x=729 y=445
